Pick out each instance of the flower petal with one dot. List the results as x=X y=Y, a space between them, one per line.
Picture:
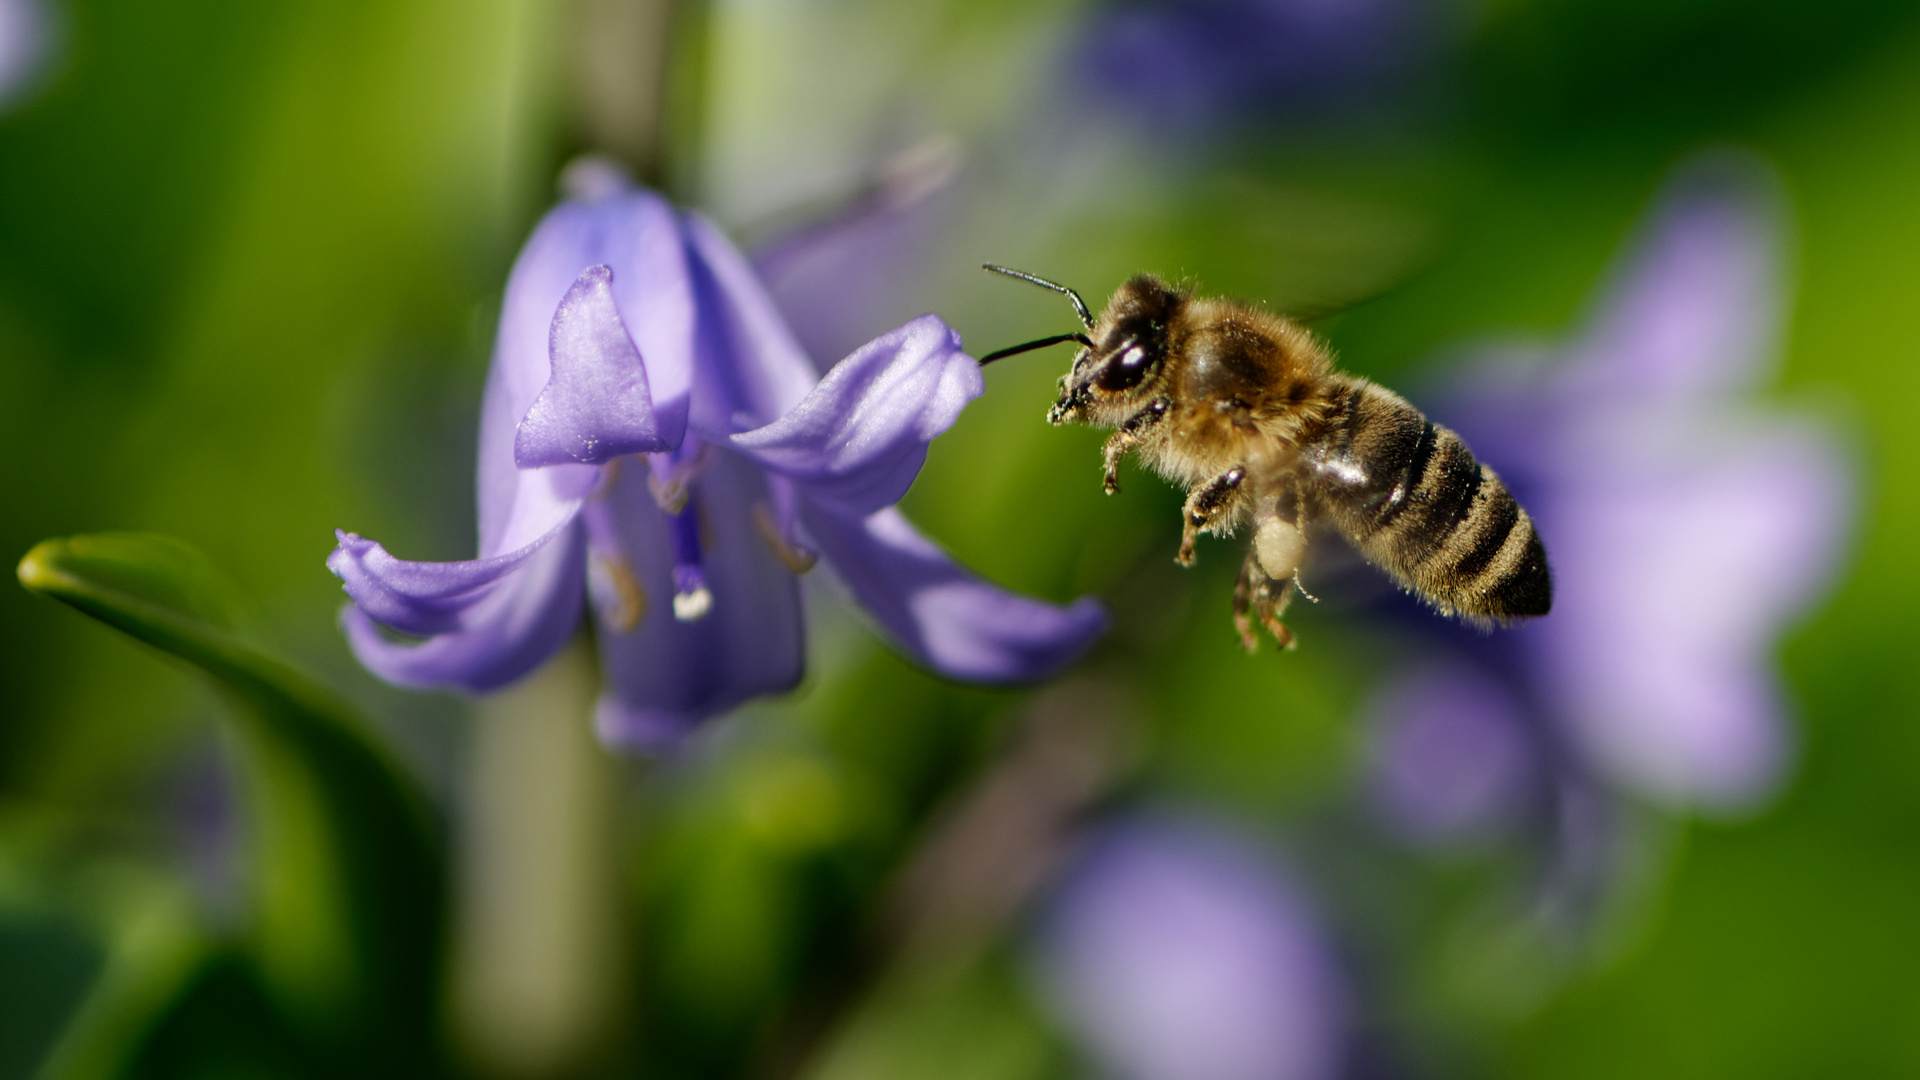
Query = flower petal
x=1680 y=557
x=665 y=675
x=504 y=633
x=750 y=370
x=1686 y=526
x=636 y=234
x=840 y=279
x=1452 y=759
x=1695 y=308
x=1178 y=950
x=860 y=437
x=437 y=597
x=497 y=617
x=418 y=597
x=596 y=406
x=943 y=615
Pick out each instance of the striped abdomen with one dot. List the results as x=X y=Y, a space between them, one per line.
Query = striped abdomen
x=1412 y=499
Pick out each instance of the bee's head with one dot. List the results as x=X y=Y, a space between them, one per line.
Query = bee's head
x=1118 y=364
x=1127 y=350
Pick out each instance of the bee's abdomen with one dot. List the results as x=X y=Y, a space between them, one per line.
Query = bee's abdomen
x=1409 y=494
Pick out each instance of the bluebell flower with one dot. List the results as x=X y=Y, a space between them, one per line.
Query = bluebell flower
x=1455 y=760
x=1689 y=526
x=654 y=441
x=839 y=276
x=27 y=33
x=1177 y=950
x=1187 y=63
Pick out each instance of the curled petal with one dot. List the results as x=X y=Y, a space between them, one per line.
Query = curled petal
x=596 y=405
x=436 y=597
x=664 y=675
x=860 y=437
x=418 y=597
x=638 y=236
x=493 y=618
x=505 y=632
x=943 y=615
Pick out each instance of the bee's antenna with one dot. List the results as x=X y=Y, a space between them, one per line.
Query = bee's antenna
x=1079 y=305
x=1032 y=345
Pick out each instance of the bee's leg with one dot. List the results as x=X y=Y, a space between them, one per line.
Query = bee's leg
x=1259 y=596
x=1124 y=439
x=1270 y=601
x=1271 y=574
x=1243 y=590
x=1205 y=504
x=1117 y=446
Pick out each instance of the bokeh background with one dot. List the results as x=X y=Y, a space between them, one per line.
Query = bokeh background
x=250 y=262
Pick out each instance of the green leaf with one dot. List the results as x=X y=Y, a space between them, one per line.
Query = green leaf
x=348 y=861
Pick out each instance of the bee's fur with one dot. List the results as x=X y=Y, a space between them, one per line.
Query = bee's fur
x=1246 y=411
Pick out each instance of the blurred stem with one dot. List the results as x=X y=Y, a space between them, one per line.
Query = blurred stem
x=539 y=985
x=640 y=77
x=684 y=110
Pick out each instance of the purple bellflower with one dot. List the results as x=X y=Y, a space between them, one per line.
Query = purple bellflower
x=1176 y=950
x=839 y=277
x=1193 y=63
x=27 y=33
x=654 y=441
x=1453 y=762
x=1687 y=526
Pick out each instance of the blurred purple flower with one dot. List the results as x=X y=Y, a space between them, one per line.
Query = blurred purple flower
x=1177 y=951
x=652 y=430
x=1687 y=525
x=27 y=32
x=1462 y=759
x=1453 y=760
x=1188 y=62
x=839 y=277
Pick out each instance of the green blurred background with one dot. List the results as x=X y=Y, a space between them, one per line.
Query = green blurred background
x=250 y=260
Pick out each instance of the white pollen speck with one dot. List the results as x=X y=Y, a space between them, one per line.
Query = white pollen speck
x=692 y=606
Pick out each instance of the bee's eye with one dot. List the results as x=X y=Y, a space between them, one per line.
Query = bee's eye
x=1125 y=371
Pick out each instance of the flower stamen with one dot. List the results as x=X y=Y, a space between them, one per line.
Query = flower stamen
x=691 y=597
x=617 y=592
x=609 y=477
x=797 y=558
x=671 y=476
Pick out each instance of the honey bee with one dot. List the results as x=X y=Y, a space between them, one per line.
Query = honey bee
x=1246 y=411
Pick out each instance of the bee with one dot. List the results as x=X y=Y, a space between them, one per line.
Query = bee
x=1246 y=411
